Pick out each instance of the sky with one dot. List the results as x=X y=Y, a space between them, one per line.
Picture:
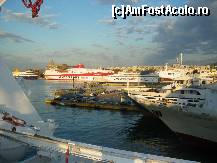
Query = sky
x=84 y=31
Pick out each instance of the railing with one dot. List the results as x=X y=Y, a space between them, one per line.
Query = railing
x=91 y=152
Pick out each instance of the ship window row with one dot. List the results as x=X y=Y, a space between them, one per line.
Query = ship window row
x=132 y=78
x=71 y=77
x=124 y=79
x=189 y=92
x=84 y=77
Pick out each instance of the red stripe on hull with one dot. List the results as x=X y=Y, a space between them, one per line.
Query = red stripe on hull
x=71 y=79
x=87 y=74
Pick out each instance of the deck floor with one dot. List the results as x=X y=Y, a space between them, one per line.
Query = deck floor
x=72 y=159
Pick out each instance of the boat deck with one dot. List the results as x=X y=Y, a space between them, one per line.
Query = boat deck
x=55 y=150
x=74 y=159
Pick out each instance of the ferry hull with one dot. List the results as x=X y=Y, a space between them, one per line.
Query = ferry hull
x=30 y=77
x=98 y=75
x=76 y=78
x=105 y=79
x=196 y=142
x=198 y=127
x=189 y=124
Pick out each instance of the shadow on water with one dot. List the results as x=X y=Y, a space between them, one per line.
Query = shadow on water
x=150 y=134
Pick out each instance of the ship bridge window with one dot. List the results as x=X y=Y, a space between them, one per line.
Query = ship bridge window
x=198 y=93
x=150 y=97
x=192 y=105
x=182 y=92
x=181 y=82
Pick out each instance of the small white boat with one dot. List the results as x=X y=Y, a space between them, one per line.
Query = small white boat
x=28 y=75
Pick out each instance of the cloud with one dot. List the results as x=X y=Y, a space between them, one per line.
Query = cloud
x=125 y=2
x=139 y=38
x=97 y=45
x=20 y=61
x=137 y=29
x=43 y=20
x=105 y=1
x=107 y=21
x=81 y=55
x=14 y=37
x=65 y=53
x=100 y=46
x=170 y=35
x=194 y=36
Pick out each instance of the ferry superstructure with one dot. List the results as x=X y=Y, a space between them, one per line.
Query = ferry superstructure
x=80 y=73
x=77 y=73
x=178 y=70
x=171 y=74
x=123 y=77
x=188 y=111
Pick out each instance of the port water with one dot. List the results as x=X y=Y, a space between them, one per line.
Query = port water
x=124 y=130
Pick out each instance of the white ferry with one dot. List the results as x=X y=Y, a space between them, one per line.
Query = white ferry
x=77 y=73
x=80 y=73
x=188 y=111
x=28 y=75
x=132 y=78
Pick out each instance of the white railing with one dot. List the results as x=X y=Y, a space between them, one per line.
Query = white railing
x=91 y=152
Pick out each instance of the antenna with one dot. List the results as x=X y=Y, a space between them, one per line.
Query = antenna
x=166 y=66
x=181 y=58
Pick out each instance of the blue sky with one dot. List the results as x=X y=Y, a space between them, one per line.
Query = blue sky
x=83 y=31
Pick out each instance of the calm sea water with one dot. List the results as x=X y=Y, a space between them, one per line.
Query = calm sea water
x=116 y=129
